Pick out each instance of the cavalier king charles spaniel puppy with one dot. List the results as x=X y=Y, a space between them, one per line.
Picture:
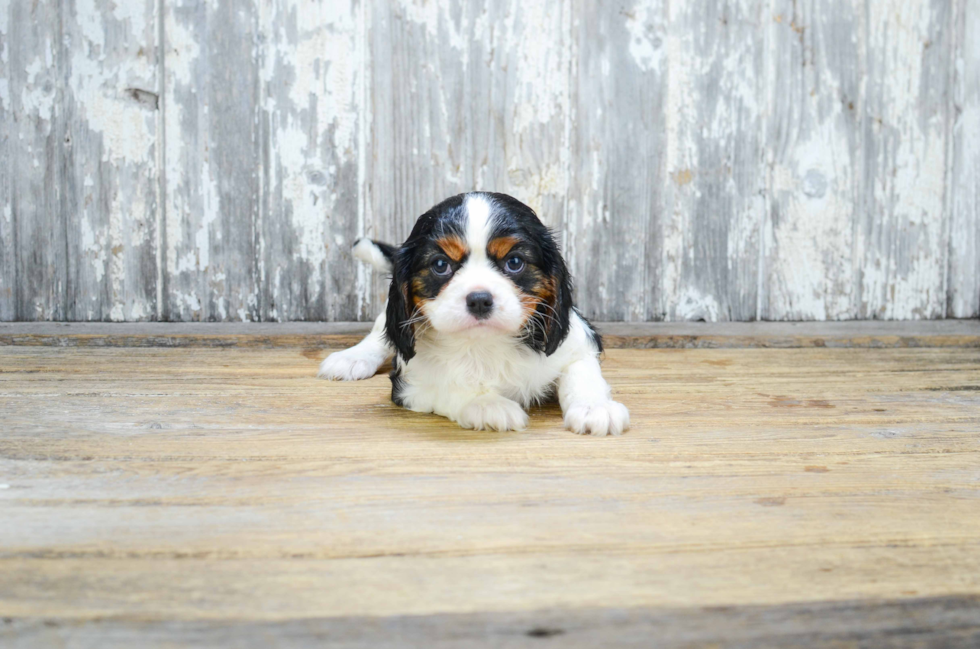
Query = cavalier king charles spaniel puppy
x=481 y=324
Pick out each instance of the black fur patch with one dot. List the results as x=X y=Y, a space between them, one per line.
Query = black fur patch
x=397 y=382
x=591 y=332
x=447 y=219
x=545 y=276
x=545 y=279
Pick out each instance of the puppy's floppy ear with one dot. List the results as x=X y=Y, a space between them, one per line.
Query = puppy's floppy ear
x=556 y=327
x=398 y=331
x=550 y=326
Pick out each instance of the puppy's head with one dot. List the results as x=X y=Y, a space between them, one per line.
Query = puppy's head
x=476 y=265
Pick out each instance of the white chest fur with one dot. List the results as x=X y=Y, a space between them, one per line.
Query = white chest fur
x=446 y=372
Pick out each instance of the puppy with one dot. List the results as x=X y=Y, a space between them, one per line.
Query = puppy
x=481 y=324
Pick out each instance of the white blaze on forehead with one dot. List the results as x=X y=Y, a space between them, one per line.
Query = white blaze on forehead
x=478 y=223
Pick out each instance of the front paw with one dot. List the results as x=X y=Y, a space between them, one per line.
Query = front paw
x=492 y=412
x=603 y=418
x=349 y=365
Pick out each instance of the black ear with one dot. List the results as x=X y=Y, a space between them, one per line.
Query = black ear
x=399 y=331
x=549 y=326
x=560 y=309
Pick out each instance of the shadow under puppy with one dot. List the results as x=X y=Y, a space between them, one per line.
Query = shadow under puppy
x=481 y=322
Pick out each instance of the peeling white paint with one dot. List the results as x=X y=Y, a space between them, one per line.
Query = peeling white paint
x=694 y=305
x=93 y=248
x=646 y=32
x=680 y=115
x=434 y=16
x=855 y=200
x=531 y=188
x=906 y=258
x=98 y=85
x=38 y=94
x=538 y=97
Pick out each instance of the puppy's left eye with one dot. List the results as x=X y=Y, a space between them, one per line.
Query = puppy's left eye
x=440 y=266
x=514 y=264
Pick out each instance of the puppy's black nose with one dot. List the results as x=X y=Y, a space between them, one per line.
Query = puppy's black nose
x=480 y=304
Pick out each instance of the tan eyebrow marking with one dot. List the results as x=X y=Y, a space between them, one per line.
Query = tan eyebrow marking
x=501 y=246
x=453 y=246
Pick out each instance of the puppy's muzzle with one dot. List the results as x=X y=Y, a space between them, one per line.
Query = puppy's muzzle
x=479 y=304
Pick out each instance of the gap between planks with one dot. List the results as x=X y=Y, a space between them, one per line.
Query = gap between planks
x=616 y=335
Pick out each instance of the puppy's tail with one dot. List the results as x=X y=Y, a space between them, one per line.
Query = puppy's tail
x=380 y=255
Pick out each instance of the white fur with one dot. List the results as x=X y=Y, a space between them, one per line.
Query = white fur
x=478 y=372
x=492 y=412
x=479 y=222
x=447 y=313
x=474 y=380
x=360 y=361
x=366 y=251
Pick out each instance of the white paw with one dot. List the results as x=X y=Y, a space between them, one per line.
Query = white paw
x=492 y=412
x=603 y=418
x=349 y=365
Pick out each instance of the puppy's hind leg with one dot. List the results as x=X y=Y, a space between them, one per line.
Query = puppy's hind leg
x=360 y=361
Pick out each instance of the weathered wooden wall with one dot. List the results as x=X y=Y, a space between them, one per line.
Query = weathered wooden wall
x=709 y=159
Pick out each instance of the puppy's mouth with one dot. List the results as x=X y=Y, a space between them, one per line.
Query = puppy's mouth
x=485 y=324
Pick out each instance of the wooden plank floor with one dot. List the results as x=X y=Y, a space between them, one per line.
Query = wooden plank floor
x=223 y=496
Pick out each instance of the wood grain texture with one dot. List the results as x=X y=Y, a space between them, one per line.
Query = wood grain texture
x=919 y=623
x=213 y=160
x=8 y=248
x=615 y=335
x=109 y=148
x=613 y=233
x=35 y=276
x=465 y=96
x=81 y=185
x=713 y=117
x=815 y=159
x=167 y=490
x=737 y=160
x=964 y=239
x=901 y=232
x=311 y=114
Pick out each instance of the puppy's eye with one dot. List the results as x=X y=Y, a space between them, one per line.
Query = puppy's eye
x=440 y=266
x=514 y=265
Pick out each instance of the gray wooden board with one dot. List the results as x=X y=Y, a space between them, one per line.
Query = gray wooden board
x=964 y=262
x=8 y=249
x=858 y=334
x=80 y=188
x=311 y=119
x=814 y=158
x=901 y=228
x=810 y=160
x=465 y=96
x=213 y=153
x=915 y=623
x=36 y=124
x=613 y=231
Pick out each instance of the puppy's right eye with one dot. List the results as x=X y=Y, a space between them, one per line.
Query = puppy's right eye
x=440 y=266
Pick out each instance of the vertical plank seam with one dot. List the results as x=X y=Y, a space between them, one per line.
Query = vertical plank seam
x=864 y=202
x=264 y=130
x=62 y=104
x=667 y=199
x=949 y=180
x=568 y=23
x=768 y=161
x=363 y=280
x=161 y=161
